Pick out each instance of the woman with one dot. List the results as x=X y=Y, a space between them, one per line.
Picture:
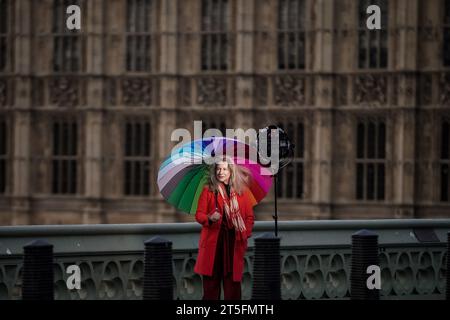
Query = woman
x=227 y=219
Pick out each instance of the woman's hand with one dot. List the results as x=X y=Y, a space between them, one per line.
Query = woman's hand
x=214 y=217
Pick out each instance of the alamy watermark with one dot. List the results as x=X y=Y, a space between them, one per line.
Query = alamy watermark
x=374 y=280
x=257 y=153
x=74 y=280
x=73 y=21
x=374 y=20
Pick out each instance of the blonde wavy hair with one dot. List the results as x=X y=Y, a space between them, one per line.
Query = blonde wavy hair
x=239 y=176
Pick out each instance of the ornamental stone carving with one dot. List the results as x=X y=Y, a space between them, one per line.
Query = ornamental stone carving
x=211 y=91
x=370 y=89
x=137 y=92
x=64 y=92
x=289 y=91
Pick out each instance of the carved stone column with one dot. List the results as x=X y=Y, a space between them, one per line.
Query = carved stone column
x=406 y=19
x=115 y=23
x=244 y=63
x=346 y=36
x=42 y=12
x=166 y=119
x=322 y=162
x=93 y=24
x=430 y=35
x=93 y=168
x=20 y=178
x=323 y=121
x=21 y=168
x=404 y=143
x=169 y=69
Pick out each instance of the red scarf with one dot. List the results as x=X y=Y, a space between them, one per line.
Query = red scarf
x=233 y=212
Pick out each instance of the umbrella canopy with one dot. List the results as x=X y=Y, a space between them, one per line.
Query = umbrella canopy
x=185 y=172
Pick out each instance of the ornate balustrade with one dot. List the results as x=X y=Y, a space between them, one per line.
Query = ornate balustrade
x=315 y=261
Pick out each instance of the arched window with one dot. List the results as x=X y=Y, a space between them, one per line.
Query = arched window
x=6 y=9
x=137 y=157
x=214 y=35
x=291 y=178
x=140 y=20
x=372 y=44
x=68 y=45
x=370 y=159
x=65 y=156
x=291 y=34
x=446 y=32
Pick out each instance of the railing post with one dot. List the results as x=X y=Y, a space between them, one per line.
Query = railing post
x=37 y=282
x=364 y=254
x=267 y=268
x=158 y=273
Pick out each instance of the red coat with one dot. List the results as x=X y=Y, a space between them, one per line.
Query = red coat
x=210 y=232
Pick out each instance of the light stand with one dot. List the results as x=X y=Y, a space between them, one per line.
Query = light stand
x=267 y=266
x=285 y=152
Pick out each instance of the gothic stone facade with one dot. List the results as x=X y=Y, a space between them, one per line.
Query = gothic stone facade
x=86 y=116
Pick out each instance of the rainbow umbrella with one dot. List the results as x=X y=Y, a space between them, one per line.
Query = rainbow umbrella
x=185 y=172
